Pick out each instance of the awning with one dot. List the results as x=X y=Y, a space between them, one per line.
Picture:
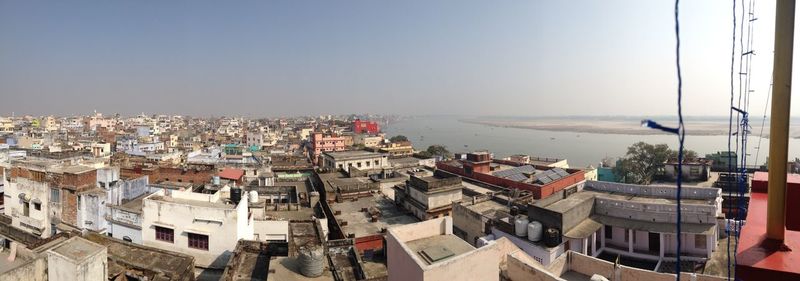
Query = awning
x=24 y=197
x=162 y=224
x=584 y=229
x=195 y=231
x=658 y=227
x=37 y=201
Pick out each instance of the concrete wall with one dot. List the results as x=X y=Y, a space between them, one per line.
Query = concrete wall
x=400 y=265
x=470 y=222
x=120 y=232
x=271 y=230
x=519 y=270
x=35 y=270
x=92 y=212
x=659 y=191
x=14 y=205
x=128 y=189
x=435 y=200
x=91 y=268
x=223 y=225
x=541 y=254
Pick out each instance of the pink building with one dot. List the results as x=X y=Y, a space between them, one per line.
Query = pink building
x=321 y=143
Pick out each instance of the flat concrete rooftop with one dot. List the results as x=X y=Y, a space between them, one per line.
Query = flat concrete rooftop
x=438 y=248
x=77 y=248
x=197 y=203
x=353 y=154
x=360 y=223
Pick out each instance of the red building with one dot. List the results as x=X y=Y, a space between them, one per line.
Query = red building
x=365 y=127
x=481 y=167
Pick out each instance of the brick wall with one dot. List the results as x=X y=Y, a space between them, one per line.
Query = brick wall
x=161 y=174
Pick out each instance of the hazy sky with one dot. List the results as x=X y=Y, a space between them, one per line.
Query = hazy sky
x=269 y=58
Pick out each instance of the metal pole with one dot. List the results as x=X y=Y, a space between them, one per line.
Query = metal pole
x=779 y=118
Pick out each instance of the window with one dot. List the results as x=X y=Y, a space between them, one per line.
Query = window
x=609 y=232
x=37 y=206
x=358 y=164
x=699 y=241
x=198 y=241
x=165 y=234
x=127 y=239
x=626 y=235
x=37 y=176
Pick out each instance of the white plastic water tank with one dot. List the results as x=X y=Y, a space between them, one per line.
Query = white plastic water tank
x=482 y=242
x=535 y=231
x=253 y=196
x=521 y=226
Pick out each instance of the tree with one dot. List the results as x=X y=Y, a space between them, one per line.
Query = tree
x=688 y=155
x=438 y=150
x=644 y=161
x=398 y=138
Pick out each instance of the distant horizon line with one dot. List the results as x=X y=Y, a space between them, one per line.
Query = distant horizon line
x=616 y=116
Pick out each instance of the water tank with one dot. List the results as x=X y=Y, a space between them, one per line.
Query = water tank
x=521 y=225
x=311 y=261
x=236 y=195
x=482 y=242
x=535 y=231
x=552 y=237
x=216 y=180
x=253 y=196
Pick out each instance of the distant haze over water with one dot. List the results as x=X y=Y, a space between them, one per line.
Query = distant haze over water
x=580 y=149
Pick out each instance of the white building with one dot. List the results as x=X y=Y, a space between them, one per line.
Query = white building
x=429 y=251
x=367 y=140
x=77 y=259
x=429 y=197
x=206 y=226
x=362 y=160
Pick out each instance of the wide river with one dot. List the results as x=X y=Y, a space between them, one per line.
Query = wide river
x=580 y=149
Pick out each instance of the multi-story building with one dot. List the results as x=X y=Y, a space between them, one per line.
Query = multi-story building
x=396 y=149
x=429 y=197
x=429 y=251
x=610 y=219
x=321 y=143
x=362 y=160
x=368 y=127
x=206 y=226
x=367 y=140
x=43 y=195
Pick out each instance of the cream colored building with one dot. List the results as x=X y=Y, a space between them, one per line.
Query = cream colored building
x=206 y=226
x=429 y=251
x=367 y=140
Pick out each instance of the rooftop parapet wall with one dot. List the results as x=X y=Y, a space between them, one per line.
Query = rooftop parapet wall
x=429 y=183
x=654 y=212
x=658 y=191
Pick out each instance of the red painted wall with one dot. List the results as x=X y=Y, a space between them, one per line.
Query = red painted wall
x=372 y=242
x=369 y=127
x=760 y=183
x=539 y=191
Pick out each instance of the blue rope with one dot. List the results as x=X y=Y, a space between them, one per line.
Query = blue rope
x=680 y=131
x=681 y=136
x=730 y=131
